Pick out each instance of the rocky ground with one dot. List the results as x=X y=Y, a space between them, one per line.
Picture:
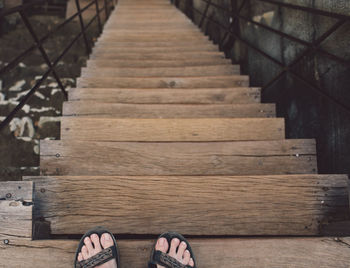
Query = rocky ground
x=39 y=118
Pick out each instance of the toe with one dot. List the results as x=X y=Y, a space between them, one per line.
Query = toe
x=96 y=242
x=80 y=257
x=173 y=246
x=162 y=245
x=191 y=262
x=85 y=253
x=186 y=257
x=88 y=244
x=181 y=249
x=106 y=240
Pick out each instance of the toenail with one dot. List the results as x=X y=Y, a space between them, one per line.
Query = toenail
x=161 y=242
x=107 y=237
x=176 y=240
x=183 y=243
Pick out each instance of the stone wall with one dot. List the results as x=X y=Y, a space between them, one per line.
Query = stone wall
x=308 y=112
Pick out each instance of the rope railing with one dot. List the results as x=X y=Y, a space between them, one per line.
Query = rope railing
x=38 y=44
x=310 y=47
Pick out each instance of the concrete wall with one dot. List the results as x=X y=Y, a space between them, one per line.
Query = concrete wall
x=308 y=113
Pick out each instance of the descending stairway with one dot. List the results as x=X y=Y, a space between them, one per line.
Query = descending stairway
x=163 y=133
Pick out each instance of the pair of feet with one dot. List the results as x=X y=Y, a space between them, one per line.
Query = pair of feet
x=94 y=245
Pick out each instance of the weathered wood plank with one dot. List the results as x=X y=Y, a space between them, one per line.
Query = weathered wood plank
x=167 y=96
x=92 y=108
x=161 y=130
x=176 y=158
x=165 y=82
x=169 y=38
x=152 y=44
x=156 y=63
x=254 y=205
x=301 y=252
x=16 y=211
x=108 y=49
x=213 y=70
x=153 y=47
x=160 y=56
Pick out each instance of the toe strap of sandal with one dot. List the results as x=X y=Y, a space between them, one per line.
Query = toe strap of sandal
x=165 y=260
x=102 y=257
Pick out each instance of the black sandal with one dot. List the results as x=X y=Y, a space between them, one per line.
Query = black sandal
x=102 y=257
x=163 y=259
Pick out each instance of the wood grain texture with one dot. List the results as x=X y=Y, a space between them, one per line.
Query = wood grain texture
x=118 y=110
x=160 y=130
x=154 y=44
x=254 y=205
x=213 y=70
x=165 y=82
x=160 y=56
x=156 y=63
x=167 y=96
x=176 y=158
x=111 y=49
x=155 y=48
x=16 y=211
x=301 y=252
x=161 y=38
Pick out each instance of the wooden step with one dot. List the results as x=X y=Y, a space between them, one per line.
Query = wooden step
x=170 y=38
x=176 y=158
x=301 y=252
x=214 y=70
x=167 y=95
x=154 y=33
x=158 y=44
x=169 y=130
x=164 y=82
x=117 y=110
x=123 y=50
x=270 y=205
x=156 y=63
x=151 y=25
x=161 y=56
x=16 y=210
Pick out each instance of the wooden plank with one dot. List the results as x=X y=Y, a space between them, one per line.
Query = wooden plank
x=119 y=110
x=218 y=205
x=160 y=130
x=176 y=158
x=16 y=211
x=152 y=46
x=111 y=49
x=157 y=63
x=161 y=38
x=299 y=252
x=154 y=32
x=213 y=70
x=167 y=96
x=160 y=56
x=165 y=82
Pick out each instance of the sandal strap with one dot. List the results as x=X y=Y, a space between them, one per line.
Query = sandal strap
x=102 y=257
x=167 y=261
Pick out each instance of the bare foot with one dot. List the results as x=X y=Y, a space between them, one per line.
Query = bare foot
x=94 y=245
x=177 y=250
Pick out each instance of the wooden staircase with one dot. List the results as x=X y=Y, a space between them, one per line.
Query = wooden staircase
x=163 y=133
